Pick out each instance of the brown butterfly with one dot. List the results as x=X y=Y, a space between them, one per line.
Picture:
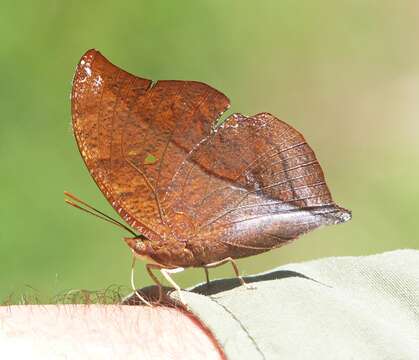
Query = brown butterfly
x=200 y=194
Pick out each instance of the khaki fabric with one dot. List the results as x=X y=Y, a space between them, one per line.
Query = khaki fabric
x=332 y=308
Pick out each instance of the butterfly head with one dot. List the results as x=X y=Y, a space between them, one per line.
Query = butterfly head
x=136 y=244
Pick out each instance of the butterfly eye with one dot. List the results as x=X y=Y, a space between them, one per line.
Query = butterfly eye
x=139 y=245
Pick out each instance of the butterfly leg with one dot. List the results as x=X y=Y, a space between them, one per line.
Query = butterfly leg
x=225 y=261
x=133 y=284
x=166 y=273
x=207 y=276
x=155 y=279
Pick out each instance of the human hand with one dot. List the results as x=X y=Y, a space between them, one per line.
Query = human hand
x=103 y=332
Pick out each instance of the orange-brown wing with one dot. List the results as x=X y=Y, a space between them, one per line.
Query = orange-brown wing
x=133 y=134
x=254 y=183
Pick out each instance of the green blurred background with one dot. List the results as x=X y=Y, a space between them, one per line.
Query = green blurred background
x=345 y=73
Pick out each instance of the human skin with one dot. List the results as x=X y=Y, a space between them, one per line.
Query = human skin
x=103 y=331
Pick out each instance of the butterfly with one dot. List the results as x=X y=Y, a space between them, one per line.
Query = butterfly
x=194 y=192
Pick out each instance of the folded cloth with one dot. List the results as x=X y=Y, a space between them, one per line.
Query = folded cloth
x=332 y=308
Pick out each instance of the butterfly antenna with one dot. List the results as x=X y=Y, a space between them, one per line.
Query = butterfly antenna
x=95 y=212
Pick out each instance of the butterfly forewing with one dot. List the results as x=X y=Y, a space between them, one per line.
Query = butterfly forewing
x=121 y=120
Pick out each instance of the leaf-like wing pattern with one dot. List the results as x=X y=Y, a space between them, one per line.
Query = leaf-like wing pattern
x=252 y=185
x=198 y=194
x=122 y=121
